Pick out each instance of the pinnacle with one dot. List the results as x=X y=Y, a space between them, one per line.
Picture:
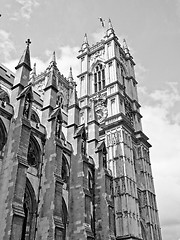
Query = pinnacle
x=25 y=58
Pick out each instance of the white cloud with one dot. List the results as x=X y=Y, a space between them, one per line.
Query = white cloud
x=165 y=154
x=66 y=59
x=98 y=35
x=26 y=9
x=6 y=45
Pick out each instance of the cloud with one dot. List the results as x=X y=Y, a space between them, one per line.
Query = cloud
x=6 y=45
x=98 y=35
x=178 y=8
x=26 y=9
x=165 y=153
x=66 y=57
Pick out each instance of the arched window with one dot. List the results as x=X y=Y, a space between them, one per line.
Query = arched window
x=34 y=117
x=4 y=97
x=33 y=157
x=30 y=205
x=90 y=182
x=99 y=78
x=104 y=157
x=65 y=171
x=83 y=143
x=64 y=219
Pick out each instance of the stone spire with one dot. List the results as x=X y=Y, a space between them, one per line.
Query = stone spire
x=125 y=46
x=110 y=30
x=85 y=44
x=51 y=82
x=73 y=100
x=110 y=24
x=53 y=60
x=70 y=78
x=126 y=49
x=25 y=58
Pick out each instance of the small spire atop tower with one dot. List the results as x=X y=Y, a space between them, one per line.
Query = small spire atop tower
x=53 y=60
x=70 y=74
x=73 y=100
x=110 y=30
x=110 y=24
x=25 y=58
x=125 y=46
x=85 y=39
x=126 y=49
x=85 y=44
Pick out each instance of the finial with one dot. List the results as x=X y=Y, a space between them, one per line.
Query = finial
x=125 y=43
x=110 y=24
x=28 y=42
x=53 y=60
x=70 y=73
x=102 y=22
x=25 y=58
x=53 y=57
x=125 y=47
x=85 y=38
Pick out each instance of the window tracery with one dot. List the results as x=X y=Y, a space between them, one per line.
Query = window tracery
x=29 y=211
x=128 y=110
x=33 y=154
x=4 y=96
x=65 y=170
x=34 y=117
x=99 y=78
x=104 y=157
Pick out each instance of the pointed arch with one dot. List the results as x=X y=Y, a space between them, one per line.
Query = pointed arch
x=34 y=153
x=65 y=171
x=98 y=70
x=30 y=207
x=4 y=96
x=34 y=116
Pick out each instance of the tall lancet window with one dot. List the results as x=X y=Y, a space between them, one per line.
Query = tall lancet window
x=99 y=78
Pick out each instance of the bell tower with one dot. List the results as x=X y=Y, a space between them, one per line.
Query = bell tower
x=108 y=87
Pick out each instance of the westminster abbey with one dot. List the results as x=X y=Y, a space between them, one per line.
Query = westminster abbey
x=75 y=167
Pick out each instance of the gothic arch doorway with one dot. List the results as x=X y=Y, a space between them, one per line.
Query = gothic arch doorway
x=30 y=206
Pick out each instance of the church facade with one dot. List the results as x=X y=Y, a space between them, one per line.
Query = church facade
x=75 y=167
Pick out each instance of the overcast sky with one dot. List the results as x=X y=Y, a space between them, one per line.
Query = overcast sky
x=152 y=31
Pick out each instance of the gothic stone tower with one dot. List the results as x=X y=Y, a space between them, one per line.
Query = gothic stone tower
x=108 y=98
x=75 y=168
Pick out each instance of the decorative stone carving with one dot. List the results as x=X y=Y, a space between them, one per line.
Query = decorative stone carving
x=128 y=110
x=100 y=105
